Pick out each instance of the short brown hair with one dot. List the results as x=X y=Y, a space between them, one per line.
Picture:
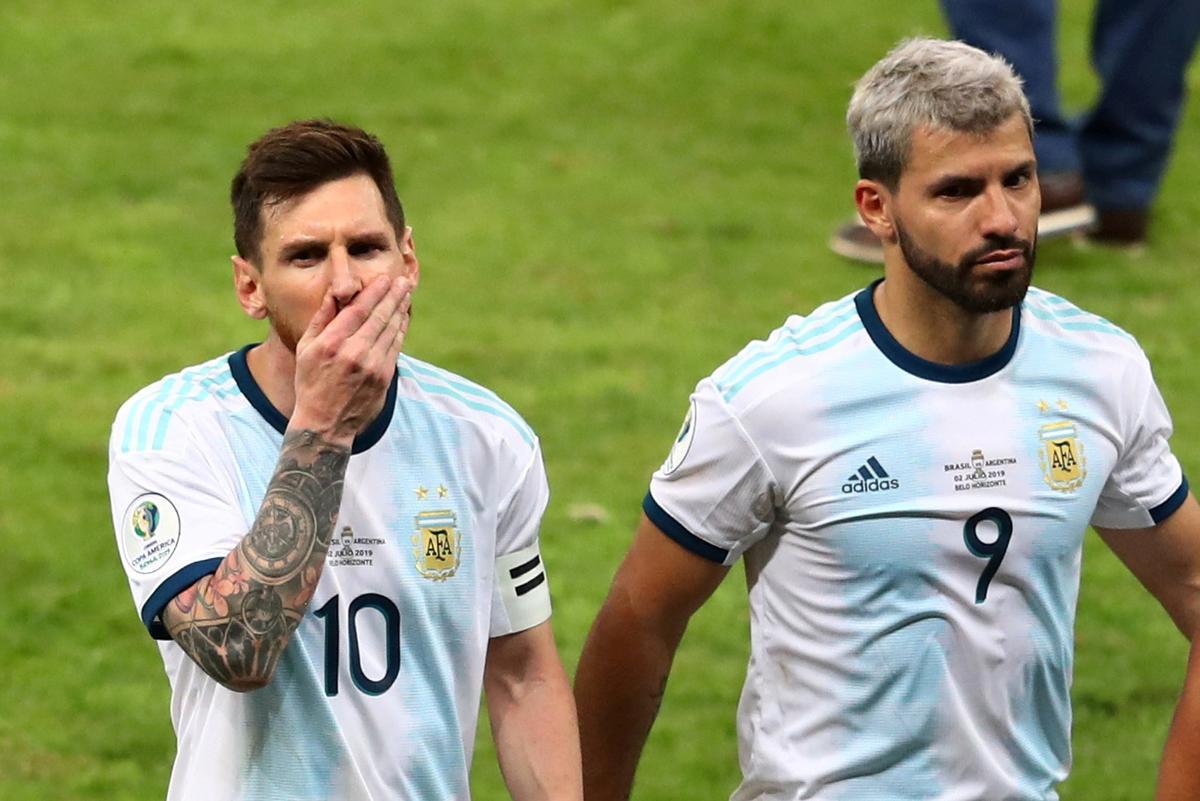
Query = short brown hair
x=292 y=160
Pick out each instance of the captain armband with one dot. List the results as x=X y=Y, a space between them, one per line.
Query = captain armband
x=521 y=578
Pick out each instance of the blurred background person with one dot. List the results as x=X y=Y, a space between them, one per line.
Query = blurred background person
x=1100 y=172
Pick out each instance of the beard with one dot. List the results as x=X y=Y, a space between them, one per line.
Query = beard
x=286 y=329
x=977 y=294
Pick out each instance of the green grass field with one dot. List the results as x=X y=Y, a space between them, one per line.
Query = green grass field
x=609 y=199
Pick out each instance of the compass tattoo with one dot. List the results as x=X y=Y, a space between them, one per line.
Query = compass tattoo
x=236 y=622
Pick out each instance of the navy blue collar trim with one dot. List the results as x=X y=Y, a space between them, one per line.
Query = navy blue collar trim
x=922 y=368
x=258 y=399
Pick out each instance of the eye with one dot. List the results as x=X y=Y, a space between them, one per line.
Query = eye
x=1018 y=179
x=953 y=191
x=360 y=249
x=306 y=257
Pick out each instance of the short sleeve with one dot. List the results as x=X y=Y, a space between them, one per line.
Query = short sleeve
x=522 y=594
x=714 y=494
x=1146 y=485
x=174 y=523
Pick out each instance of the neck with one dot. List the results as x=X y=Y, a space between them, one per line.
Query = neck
x=273 y=366
x=929 y=325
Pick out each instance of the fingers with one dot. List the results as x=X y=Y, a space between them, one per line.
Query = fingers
x=377 y=321
x=398 y=324
x=351 y=318
x=371 y=327
x=343 y=373
x=324 y=315
x=398 y=341
x=390 y=340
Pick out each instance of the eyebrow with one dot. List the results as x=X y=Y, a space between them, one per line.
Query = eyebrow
x=293 y=247
x=973 y=181
x=379 y=238
x=1029 y=165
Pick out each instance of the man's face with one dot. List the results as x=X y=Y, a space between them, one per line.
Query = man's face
x=337 y=236
x=965 y=214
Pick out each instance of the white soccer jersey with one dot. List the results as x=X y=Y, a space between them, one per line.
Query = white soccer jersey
x=912 y=536
x=434 y=550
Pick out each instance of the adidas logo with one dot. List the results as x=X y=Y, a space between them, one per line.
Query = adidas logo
x=871 y=477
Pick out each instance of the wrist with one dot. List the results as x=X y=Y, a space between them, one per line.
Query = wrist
x=329 y=432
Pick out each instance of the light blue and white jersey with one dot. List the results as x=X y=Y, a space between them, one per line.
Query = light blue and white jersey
x=912 y=538
x=435 y=550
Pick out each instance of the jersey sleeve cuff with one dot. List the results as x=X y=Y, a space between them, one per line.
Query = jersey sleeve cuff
x=174 y=584
x=676 y=531
x=1168 y=507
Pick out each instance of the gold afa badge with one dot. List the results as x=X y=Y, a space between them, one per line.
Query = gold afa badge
x=1064 y=465
x=436 y=544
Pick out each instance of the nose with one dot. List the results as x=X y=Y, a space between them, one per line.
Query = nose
x=344 y=279
x=1000 y=217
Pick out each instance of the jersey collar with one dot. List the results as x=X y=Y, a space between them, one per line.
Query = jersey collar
x=258 y=399
x=922 y=368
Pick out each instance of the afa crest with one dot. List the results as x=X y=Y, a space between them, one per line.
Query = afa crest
x=1064 y=465
x=437 y=544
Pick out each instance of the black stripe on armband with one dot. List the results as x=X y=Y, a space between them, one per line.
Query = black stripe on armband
x=521 y=570
x=531 y=584
x=675 y=530
x=176 y=583
x=1170 y=505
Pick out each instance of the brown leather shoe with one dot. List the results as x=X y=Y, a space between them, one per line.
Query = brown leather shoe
x=856 y=242
x=1064 y=208
x=1060 y=190
x=1120 y=227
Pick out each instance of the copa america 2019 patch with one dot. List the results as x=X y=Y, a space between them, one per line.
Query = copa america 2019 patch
x=149 y=533
x=683 y=442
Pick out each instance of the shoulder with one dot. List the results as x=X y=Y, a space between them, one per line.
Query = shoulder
x=802 y=344
x=1099 y=353
x=1055 y=317
x=473 y=404
x=144 y=421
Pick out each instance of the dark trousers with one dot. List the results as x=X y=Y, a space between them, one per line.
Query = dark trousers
x=1140 y=50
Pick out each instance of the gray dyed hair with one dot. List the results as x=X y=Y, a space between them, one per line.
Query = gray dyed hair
x=933 y=82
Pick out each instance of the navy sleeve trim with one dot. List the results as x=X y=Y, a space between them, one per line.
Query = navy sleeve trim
x=673 y=529
x=1170 y=505
x=178 y=582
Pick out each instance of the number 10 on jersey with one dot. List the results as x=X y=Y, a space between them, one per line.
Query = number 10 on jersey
x=383 y=606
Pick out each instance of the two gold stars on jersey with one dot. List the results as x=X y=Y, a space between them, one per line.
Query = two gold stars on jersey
x=437 y=542
x=1064 y=464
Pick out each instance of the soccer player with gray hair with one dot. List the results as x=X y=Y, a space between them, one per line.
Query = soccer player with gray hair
x=907 y=474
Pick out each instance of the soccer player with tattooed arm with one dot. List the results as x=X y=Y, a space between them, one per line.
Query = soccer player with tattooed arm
x=907 y=475
x=335 y=544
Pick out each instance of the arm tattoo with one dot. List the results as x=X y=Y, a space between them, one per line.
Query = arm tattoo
x=236 y=622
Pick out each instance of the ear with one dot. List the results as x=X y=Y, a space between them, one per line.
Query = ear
x=247 y=282
x=408 y=252
x=874 y=203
